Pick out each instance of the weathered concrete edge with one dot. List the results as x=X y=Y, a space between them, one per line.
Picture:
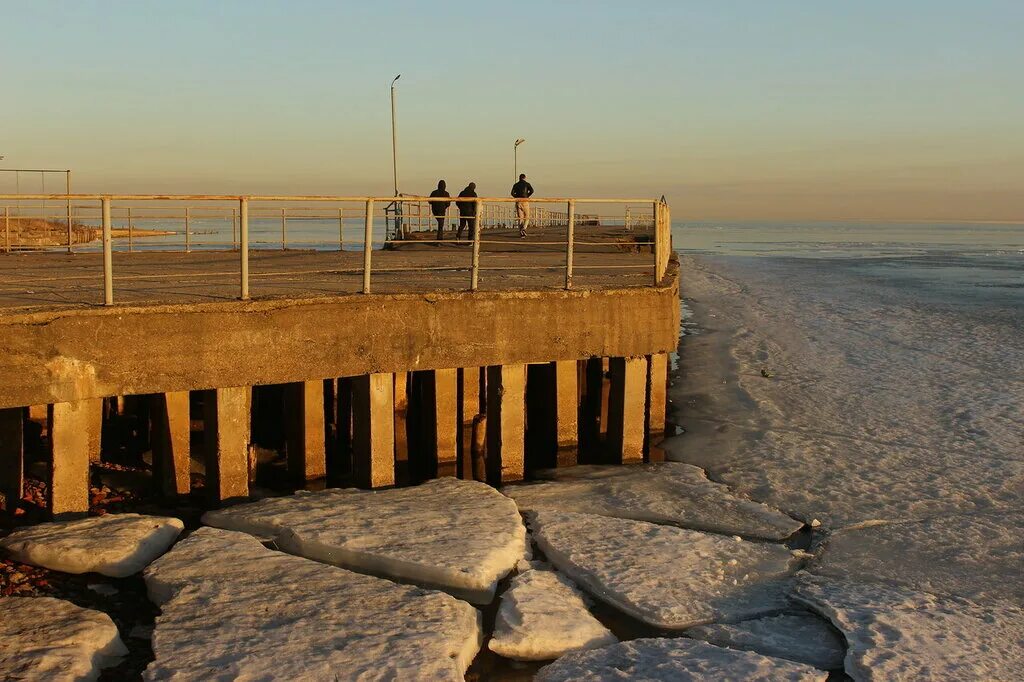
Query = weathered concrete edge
x=69 y=355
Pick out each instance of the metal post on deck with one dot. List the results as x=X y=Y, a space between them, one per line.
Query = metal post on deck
x=570 y=230
x=67 y=187
x=233 y=229
x=188 y=239
x=243 y=212
x=108 y=258
x=474 y=279
x=367 y=245
x=7 y=229
x=341 y=229
x=284 y=230
x=658 y=246
x=131 y=246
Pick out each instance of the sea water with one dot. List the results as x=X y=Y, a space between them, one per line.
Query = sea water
x=864 y=375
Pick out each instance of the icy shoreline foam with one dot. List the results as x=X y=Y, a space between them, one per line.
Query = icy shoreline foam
x=454 y=535
x=669 y=492
x=668 y=577
x=230 y=609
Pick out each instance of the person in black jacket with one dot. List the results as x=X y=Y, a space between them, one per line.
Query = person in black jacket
x=467 y=212
x=440 y=208
x=522 y=190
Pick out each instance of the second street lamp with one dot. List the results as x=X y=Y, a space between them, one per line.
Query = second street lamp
x=515 y=159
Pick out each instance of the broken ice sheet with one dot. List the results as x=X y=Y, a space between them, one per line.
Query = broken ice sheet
x=802 y=637
x=668 y=492
x=668 y=577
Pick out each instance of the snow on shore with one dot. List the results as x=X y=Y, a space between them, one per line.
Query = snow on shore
x=669 y=492
x=543 y=616
x=674 y=660
x=458 y=536
x=232 y=609
x=117 y=545
x=668 y=577
x=42 y=638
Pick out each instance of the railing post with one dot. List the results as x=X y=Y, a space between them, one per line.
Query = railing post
x=341 y=229
x=474 y=277
x=284 y=230
x=234 y=218
x=108 y=258
x=67 y=188
x=7 y=228
x=570 y=229
x=131 y=246
x=243 y=213
x=367 y=245
x=188 y=238
x=658 y=245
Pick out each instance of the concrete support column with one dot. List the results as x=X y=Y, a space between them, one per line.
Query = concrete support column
x=305 y=440
x=12 y=450
x=70 y=437
x=627 y=410
x=506 y=423
x=441 y=396
x=373 y=430
x=657 y=404
x=226 y=415
x=567 y=412
x=171 y=437
x=469 y=407
x=403 y=472
x=339 y=466
x=95 y=416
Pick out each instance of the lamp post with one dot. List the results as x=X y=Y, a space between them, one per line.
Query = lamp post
x=515 y=158
x=394 y=134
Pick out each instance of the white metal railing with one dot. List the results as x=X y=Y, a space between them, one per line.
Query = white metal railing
x=489 y=212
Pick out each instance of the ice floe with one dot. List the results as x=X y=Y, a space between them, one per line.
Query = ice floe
x=459 y=536
x=669 y=577
x=42 y=638
x=669 y=492
x=117 y=545
x=232 y=609
x=674 y=660
x=894 y=633
x=543 y=616
x=977 y=556
x=800 y=637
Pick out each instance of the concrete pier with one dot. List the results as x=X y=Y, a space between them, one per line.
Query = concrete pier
x=439 y=392
x=373 y=430
x=12 y=453
x=171 y=439
x=305 y=439
x=626 y=410
x=470 y=406
x=566 y=412
x=506 y=423
x=226 y=414
x=70 y=439
x=657 y=404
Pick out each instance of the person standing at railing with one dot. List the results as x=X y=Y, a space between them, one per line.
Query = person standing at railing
x=467 y=211
x=440 y=208
x=522 y=190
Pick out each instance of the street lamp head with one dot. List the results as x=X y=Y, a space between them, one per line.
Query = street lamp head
x=396 y=80
x=520 y=141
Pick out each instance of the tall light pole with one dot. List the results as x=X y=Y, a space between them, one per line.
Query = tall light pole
x=394 y=134
x=515 y=158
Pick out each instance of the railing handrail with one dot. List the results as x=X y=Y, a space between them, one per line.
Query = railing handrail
x=312 y=197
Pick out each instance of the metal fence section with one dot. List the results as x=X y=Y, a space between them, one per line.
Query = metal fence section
x=482 y=229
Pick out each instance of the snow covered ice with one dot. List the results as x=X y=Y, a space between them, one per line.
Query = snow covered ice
x=668 y=577
x=232 y=609
x=669 y=492
x=543 y=616
x=42 y=638
x=674 y=660
x=117 y=545
x=895 y=633
x=977 y=556
x=459 y=536
x=801 y=637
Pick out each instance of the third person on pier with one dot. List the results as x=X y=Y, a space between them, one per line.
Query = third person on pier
x=467 y=212
x=522 y=190
x=439 y=208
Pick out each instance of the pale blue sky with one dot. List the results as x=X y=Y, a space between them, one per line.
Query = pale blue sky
x=732 y=109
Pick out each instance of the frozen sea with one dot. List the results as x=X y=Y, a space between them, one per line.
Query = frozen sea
x=867 y=379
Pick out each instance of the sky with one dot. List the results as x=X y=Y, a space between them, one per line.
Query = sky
x=735 y=109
